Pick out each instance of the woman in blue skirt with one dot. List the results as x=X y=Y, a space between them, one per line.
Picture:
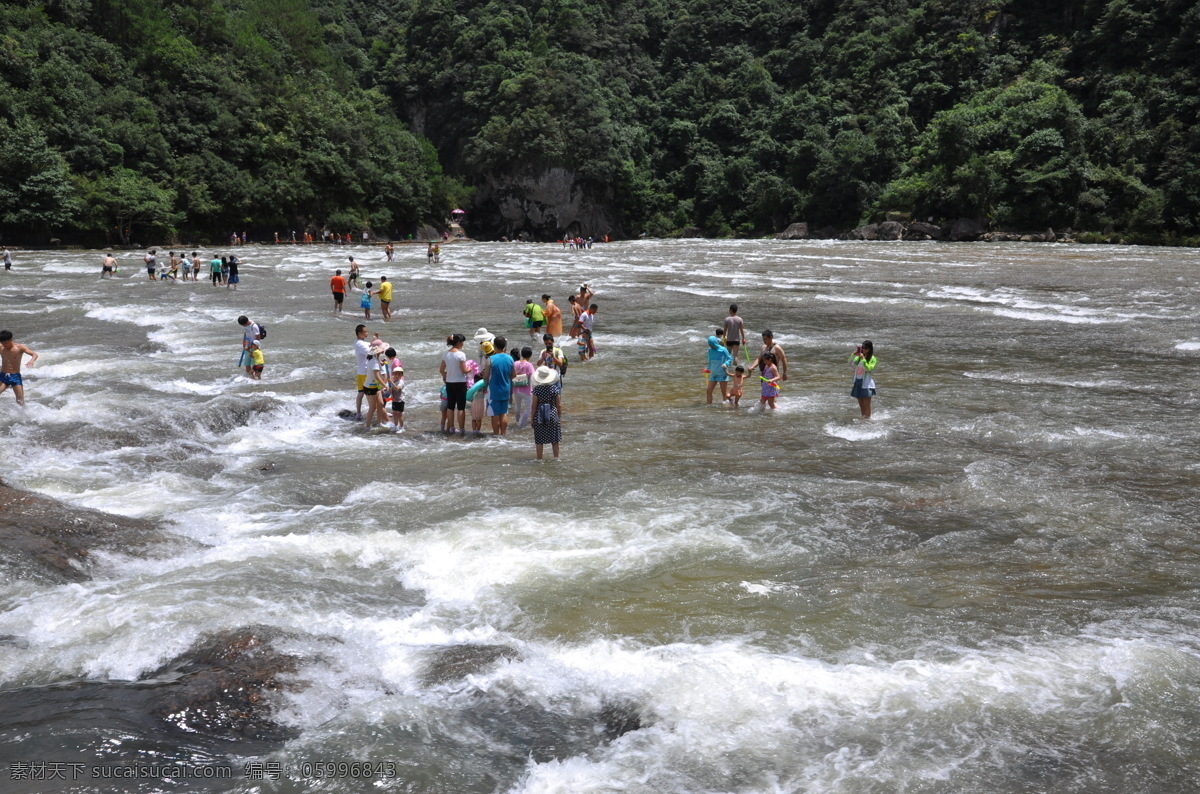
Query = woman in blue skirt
x=864 y=385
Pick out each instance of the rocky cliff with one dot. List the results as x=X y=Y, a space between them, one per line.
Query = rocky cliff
x=545 y=204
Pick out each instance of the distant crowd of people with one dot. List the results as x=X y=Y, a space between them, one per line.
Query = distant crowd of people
x=725 y=371
x=508 y=385
x=505 y=387
x=222 y=270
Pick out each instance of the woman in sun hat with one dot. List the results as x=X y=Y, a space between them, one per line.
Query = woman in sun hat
x=545 y=410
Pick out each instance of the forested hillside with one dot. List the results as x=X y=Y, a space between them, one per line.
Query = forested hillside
x=199 y=117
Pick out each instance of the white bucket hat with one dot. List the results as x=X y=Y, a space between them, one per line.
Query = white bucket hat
x=482 y=335
x=545 y=375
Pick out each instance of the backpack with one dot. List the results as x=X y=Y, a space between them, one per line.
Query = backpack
x=262 y=331
x=545 y=414
x=563 y=368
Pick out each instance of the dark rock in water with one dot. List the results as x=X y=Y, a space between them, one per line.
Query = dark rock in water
x=221 y=687
x=226 y=413
x=619 y=720
x=47 y=541
x=891 y=230
x=193 y=710
x=869 y=232
x=796 y=231
x=964 y=229
x=920 y=230
x=533 y=731
x=458 y=661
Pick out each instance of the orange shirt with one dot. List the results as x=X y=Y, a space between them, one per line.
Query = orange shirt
x=337 y=284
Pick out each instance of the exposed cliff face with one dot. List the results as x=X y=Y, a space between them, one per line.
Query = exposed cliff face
x=545 y=205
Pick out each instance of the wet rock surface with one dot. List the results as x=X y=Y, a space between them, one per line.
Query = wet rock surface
x=196 y=710
x=457 y=661
x=46 y=541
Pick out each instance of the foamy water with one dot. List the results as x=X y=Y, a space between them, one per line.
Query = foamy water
x=987 y=588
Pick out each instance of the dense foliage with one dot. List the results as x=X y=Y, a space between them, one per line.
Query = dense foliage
x=738 y=117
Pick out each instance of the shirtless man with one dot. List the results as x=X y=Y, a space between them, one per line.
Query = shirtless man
x=109 y=266
x=769 y=346
x=735 y=333
x=553 y=316
x=11 y=355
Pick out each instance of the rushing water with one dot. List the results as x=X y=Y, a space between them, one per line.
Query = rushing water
x=992 y=587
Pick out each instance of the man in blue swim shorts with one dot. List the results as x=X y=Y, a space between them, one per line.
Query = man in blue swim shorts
x=11 y=355
x=500 y=386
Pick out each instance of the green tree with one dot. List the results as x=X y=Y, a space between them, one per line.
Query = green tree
x=123 y=200
x=36 y=193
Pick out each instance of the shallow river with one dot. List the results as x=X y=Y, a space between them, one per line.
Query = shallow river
x=991 y=587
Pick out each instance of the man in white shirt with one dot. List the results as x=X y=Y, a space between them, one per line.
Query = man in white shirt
x=251 y=333
x=362 y=358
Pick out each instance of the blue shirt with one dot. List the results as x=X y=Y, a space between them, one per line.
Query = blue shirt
x=718 y=358
x=500 y=382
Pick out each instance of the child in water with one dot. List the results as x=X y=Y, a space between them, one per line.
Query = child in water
x=770 y=381
x=736 y=385
x=863 y=389
x=365 y=301
x=256 y=361
x=394 y=393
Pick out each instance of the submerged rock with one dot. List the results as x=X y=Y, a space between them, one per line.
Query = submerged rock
x=458 y=661
x=47 y=541
x=193 y=710
x=221 y=687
